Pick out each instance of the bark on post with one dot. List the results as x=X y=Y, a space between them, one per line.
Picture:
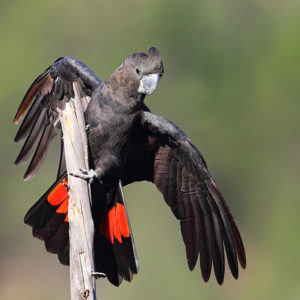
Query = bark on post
x=81 y=227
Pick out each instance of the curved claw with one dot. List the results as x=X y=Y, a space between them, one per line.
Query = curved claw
x=84 y=171
x=89 y=176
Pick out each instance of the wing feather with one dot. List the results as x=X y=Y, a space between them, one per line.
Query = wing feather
x=204 y=235
x=50 y=91
x=41 y=152
x=29 y=120
x=217 y=249
x=226 y=214
x=189 y=224
x=32 y=139
x=43 y=83
x=179 y=209
x=181 y=174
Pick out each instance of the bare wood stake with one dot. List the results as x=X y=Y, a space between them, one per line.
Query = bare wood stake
x=81 y=227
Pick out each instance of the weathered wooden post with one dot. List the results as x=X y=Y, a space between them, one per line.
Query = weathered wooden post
x=81 y=227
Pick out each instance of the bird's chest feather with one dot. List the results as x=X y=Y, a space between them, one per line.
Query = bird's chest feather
x=109 y=137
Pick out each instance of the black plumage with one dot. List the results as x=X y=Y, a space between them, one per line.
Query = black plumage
x=127 y=143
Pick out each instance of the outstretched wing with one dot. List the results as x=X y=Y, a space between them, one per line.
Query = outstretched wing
x=51 y=90
x=168 y=158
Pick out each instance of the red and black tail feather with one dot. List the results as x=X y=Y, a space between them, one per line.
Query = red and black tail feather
x=115 y=253
x=49 y=220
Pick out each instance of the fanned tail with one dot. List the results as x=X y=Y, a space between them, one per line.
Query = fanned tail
x=115 y=253
x=48 y=218
x=114 y=241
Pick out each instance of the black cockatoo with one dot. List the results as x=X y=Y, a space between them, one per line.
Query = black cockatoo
x=127 y=143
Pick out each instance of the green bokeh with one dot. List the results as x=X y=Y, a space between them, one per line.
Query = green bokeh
x=231 y=82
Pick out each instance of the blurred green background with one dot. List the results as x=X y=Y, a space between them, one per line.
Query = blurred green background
x=231 y=82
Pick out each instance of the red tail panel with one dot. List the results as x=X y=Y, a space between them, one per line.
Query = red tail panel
x=63 y=208
x=121 y=213
x=114 y=223
x=59 y=196
x=117 y=231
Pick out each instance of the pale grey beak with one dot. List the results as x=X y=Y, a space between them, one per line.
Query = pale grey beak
x=148 y=84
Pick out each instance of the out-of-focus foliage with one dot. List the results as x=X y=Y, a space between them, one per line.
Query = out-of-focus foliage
x=231 y=82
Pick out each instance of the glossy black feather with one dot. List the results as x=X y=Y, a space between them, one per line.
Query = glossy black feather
x=179 y=209
x=40 y=87
x=50 y=226
x=50 y=91
x=129 y=248
x=59 y=88
x=189 y=226
x=29 y=119
x=41 y=152
x=63 y=244
x=125 y=252
x=229 y=223
x=203 y=236
x=42 y=210
x=208 y=240
x=128 y=143
x=218 y=250
x=32 y=139
x=117 y=261
x=206 y=222
x=172 y=182
x=121 y=261
x=228 y=237
x=62 y=161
